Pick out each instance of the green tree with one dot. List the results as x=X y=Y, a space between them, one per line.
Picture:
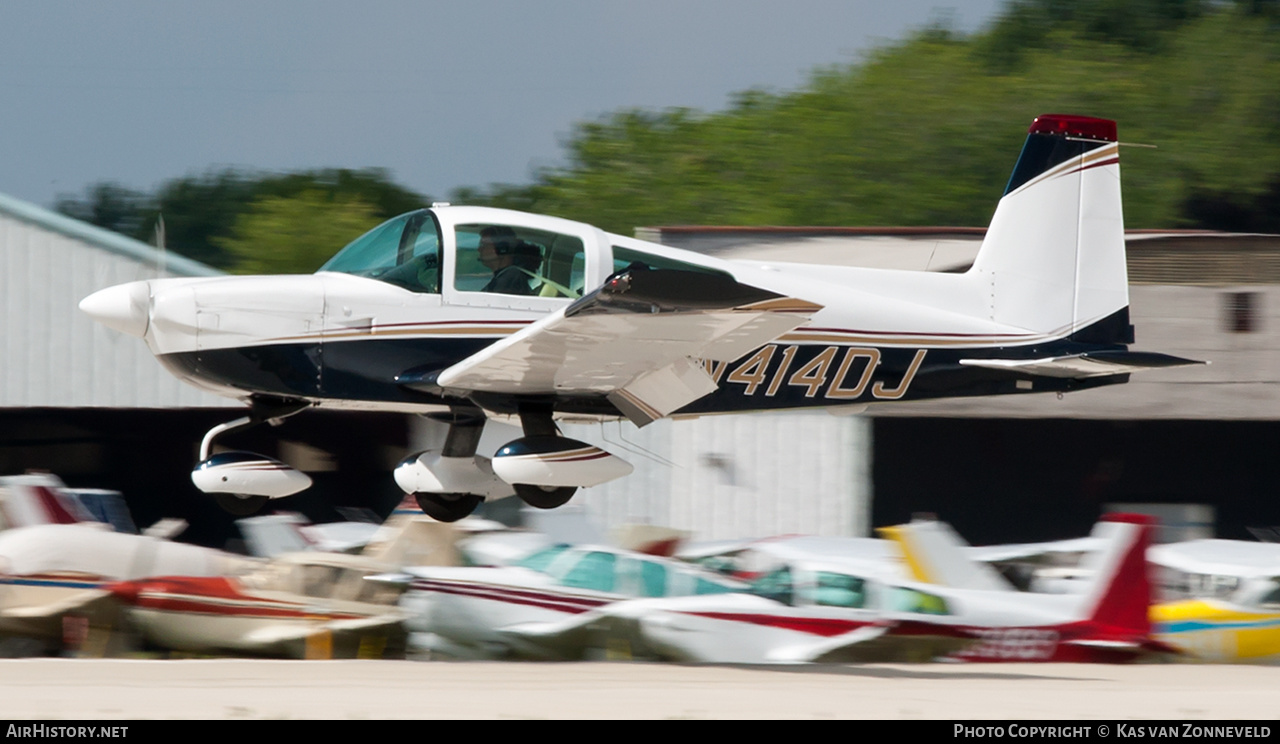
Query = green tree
x=108 y=205
x=294 y=234
x=924 y=131
x=201 y=212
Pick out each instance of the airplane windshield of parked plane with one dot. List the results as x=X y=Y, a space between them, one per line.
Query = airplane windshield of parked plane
x=610 y=571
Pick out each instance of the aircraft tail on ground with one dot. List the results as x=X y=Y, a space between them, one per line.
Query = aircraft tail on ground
x=935 y=555
x=1119 y=599
x=1119 y=590
x=1107 y=621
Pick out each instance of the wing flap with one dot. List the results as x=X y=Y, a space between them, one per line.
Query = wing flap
x=635 y=336
x=655 y=394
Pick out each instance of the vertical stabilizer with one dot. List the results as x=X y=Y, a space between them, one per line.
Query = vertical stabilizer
x=1119 y=598
x=1053 y=260
x=935 y=555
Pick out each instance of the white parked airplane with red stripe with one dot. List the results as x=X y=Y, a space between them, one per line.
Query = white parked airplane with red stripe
x=52 y=572
x=1107 y=621
x=837 y=610
x=298 y=605
x=541 y=607
x=467 y=313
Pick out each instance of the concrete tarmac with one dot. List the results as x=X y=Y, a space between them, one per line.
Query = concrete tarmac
x=64 y=689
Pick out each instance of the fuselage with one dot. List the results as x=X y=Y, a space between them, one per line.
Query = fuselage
x=410 y=298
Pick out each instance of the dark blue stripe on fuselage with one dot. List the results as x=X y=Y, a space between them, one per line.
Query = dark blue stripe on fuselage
x=350 y=370
x=365 y=370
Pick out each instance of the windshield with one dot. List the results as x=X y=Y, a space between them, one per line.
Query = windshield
x=404 y=251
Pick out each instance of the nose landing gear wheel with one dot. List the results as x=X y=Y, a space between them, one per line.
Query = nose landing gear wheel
x=447 y=507
x=240 y=505
x=544 y=497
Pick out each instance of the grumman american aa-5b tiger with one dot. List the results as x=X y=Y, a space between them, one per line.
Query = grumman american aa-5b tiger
x=467 y=313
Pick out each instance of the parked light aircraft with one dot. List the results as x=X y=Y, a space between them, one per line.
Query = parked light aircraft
x=312 y=603
x=805 y=604
x=1107 y=620
x=54 y=571
x=1222 y=599
x=829 y=609
x=298 y=605
x=540 y=607
x=42 y=498
x=467 y=313
x=1217 y=600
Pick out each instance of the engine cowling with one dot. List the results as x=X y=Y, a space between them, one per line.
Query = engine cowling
x=250 y=474
x=557 y=461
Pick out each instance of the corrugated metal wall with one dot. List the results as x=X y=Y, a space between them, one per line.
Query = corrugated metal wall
x=54 y=355
x=726 y=477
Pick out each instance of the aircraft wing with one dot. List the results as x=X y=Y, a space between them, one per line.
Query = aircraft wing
x=1222 y=557
x=882 y=644
x=639 y=340
x=563 y=639
x=270 y=636
x=1090 y=364
x=836 y=648
x=79 y=601
x=1027 y=551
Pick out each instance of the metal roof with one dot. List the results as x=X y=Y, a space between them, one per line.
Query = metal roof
x=102 y=238
x=51 y=354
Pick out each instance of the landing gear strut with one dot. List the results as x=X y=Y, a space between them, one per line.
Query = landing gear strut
x=242 y=482
x=536 y=421
x=445 y=485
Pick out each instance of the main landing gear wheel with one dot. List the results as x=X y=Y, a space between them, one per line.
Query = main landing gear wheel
x=240 y=505
x=544 y=497
x=447 y=507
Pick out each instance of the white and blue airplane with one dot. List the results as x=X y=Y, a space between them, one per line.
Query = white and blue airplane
x=467 y=314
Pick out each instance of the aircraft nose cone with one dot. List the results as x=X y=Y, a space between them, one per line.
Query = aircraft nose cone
x=123 y=307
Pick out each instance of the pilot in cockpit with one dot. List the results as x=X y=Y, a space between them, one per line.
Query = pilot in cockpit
x=513 y=262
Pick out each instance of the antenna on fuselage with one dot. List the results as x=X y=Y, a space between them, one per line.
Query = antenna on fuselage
x=159 y=246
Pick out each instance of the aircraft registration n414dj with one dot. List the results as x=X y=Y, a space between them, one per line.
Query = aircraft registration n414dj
x=469 y=313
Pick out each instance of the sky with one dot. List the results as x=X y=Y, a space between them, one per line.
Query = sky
x=440 y=94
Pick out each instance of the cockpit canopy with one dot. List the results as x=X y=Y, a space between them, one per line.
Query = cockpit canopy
x=493 y=252
x=404 y=251
x=408 y=251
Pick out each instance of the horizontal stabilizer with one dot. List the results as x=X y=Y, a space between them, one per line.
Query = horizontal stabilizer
x=1090 y=364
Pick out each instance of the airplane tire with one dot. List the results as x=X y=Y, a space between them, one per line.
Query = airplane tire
x=447 y=507
x=541 y=497
x=238 y=505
